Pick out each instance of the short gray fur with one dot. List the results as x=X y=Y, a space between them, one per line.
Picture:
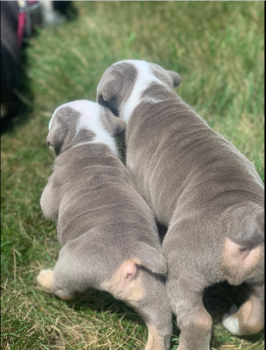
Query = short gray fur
x=201 y=187
x=102 y=221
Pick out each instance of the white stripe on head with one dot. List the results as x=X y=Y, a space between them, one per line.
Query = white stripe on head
x=90 y=120
x=144 y=78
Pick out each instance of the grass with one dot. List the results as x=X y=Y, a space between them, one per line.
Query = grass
x=218 y=48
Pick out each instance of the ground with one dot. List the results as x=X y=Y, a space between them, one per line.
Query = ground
x=218 y=49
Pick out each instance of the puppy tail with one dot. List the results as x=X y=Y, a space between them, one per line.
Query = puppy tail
x=253 y=231
x=243 y=254
x=150 y=258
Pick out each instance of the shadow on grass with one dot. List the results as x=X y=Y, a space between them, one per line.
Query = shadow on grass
x=103 y=302
x=217 y=301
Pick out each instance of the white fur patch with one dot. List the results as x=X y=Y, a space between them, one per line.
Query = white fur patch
x=230 y=322
x=151 y=99
x=155 y=100
x=90 y=120
x=50 y=16
x=144 y=79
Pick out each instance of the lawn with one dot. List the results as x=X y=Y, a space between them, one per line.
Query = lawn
x=218 y=48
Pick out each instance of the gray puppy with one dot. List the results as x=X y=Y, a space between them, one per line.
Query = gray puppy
x=199 y=185
x=108 y=233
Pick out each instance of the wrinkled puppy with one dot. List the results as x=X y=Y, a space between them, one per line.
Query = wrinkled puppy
x=108 y=233
x=199 y=185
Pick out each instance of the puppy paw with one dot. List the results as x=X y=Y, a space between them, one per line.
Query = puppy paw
x=45 y=278
x=230 y=321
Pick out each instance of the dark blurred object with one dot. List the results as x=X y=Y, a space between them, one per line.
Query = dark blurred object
x=10 y=55
x=18 y=20
x=61 y=6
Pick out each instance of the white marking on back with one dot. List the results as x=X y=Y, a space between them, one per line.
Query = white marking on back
x=155 y=100
x=151 y=99
x=230 y=321
x=90 y=120
x=144 y=79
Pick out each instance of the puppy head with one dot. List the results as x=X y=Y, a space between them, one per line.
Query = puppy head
x=124 y=82
x=81 y=122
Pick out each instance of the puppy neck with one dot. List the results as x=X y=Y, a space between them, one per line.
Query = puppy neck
x=145 y=78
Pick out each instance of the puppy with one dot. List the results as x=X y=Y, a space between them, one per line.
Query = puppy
x=108 y=233
x=200 y=186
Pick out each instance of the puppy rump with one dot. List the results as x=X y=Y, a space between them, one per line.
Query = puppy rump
x=244 y=253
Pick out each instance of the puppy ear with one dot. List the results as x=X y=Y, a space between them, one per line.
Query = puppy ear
x=176 y=78
x=116 y=125
x=107 y=92
x=56 y=137
x=251 y=221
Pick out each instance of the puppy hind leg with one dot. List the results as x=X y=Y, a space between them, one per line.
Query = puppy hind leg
x=249 y=318
x=146 y=293
x=156 y=311
x=65 y=279
x=193 y=319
